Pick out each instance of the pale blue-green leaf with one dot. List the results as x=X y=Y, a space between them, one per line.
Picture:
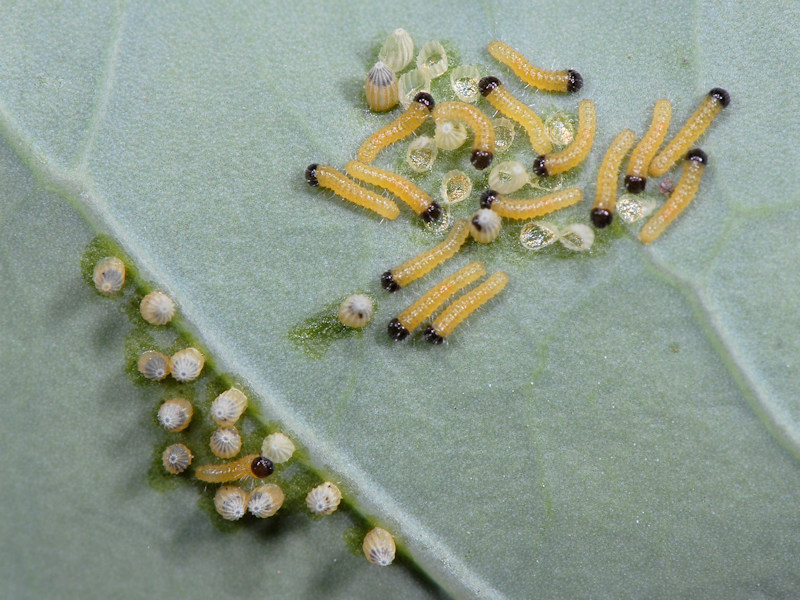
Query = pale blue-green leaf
x=618 y=424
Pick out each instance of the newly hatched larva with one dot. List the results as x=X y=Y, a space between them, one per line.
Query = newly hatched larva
x=341 y=185
x=450 y=135
x=157 y=308
x=411 y=318
x=432 y=60
x=563 y=81
x=463 y=306
x=694 y=165
x=571 y=156
x=530 y=208
x=231 y=502
x=186 y=364
x=228 y=407
x=712 y=105
x=175 y=414
x=176 y=458
x=356 y=311
x=421 y=264
x=251 y=465
x=605 y=196
x=381 y=88
x=379 y=547
x=403 y=126
x=265 y=500
x=153 y=365
x=420 y=202
x=109 y=275
x=636 y=175
x=225 y=442
x=324 y=499
x=481 y=125
x=398 y=50
x=508 y=176
x=485 y=225
x=498 y=96
x=277 y=447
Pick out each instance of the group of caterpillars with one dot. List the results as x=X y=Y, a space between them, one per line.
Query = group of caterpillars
x=175 y=415
x=486 y=223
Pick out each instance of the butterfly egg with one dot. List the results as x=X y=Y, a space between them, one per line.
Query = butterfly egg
x=109 y=275
x=456 y=186
x=463 y=306
x=186 y=364
x=712 y=105
x=175 y=414
x=265 y=500
x=153 y=365
x=464 y=81
x=485 y=225
x=251 y=465
x=560 y=128
x=570 y=157
x=693 y=167
x=502 y=100
x=504 y=134
x=228 y=407
x=398 y=50
x=344 y=187
x=421 y=154
x=508 y=176
x=645 y=150
x=632 y=208
x=538 y=234
x=403 y=126
x=420 y=202
x=381 y=88
x=407 y=321
x=277 y=447
x=411 y=270
x=577 y=237
x=432 y=60
x=324 y=499
x=410 y=84
x=225 y=442
x=529 y=208
x=605 y=195
x=356 y=311
x=450 y=135
x=379 y=547
x=157 y=308
x=231 y=502
x=176 y=458
x=565 y=81
x=483 y=142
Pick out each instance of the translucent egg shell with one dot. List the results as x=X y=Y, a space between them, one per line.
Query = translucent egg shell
x=410 y=84
x=504 y=134
x=324 y=499
x=536 y=235
x=632 y=208
x=265 y=500
x=422 y=152
x=153 y=365
x=485 y=225
x=356 y=311
x=577 y=237
x=450 y=135
x=231 y=502
x=379 y=547
x=508 y=176
x=464 y=81
x=277 y=447
x=157 y=308
x=398 y=50
x=456 y=186
x=186 y=364
x=226 y=442
x=432 y=60
x=176 y=458
x=109 y=275
x=175 y=414
x=381 y=88
x=228 y=407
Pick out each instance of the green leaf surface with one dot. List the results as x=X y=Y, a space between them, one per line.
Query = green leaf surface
x=622 y=423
